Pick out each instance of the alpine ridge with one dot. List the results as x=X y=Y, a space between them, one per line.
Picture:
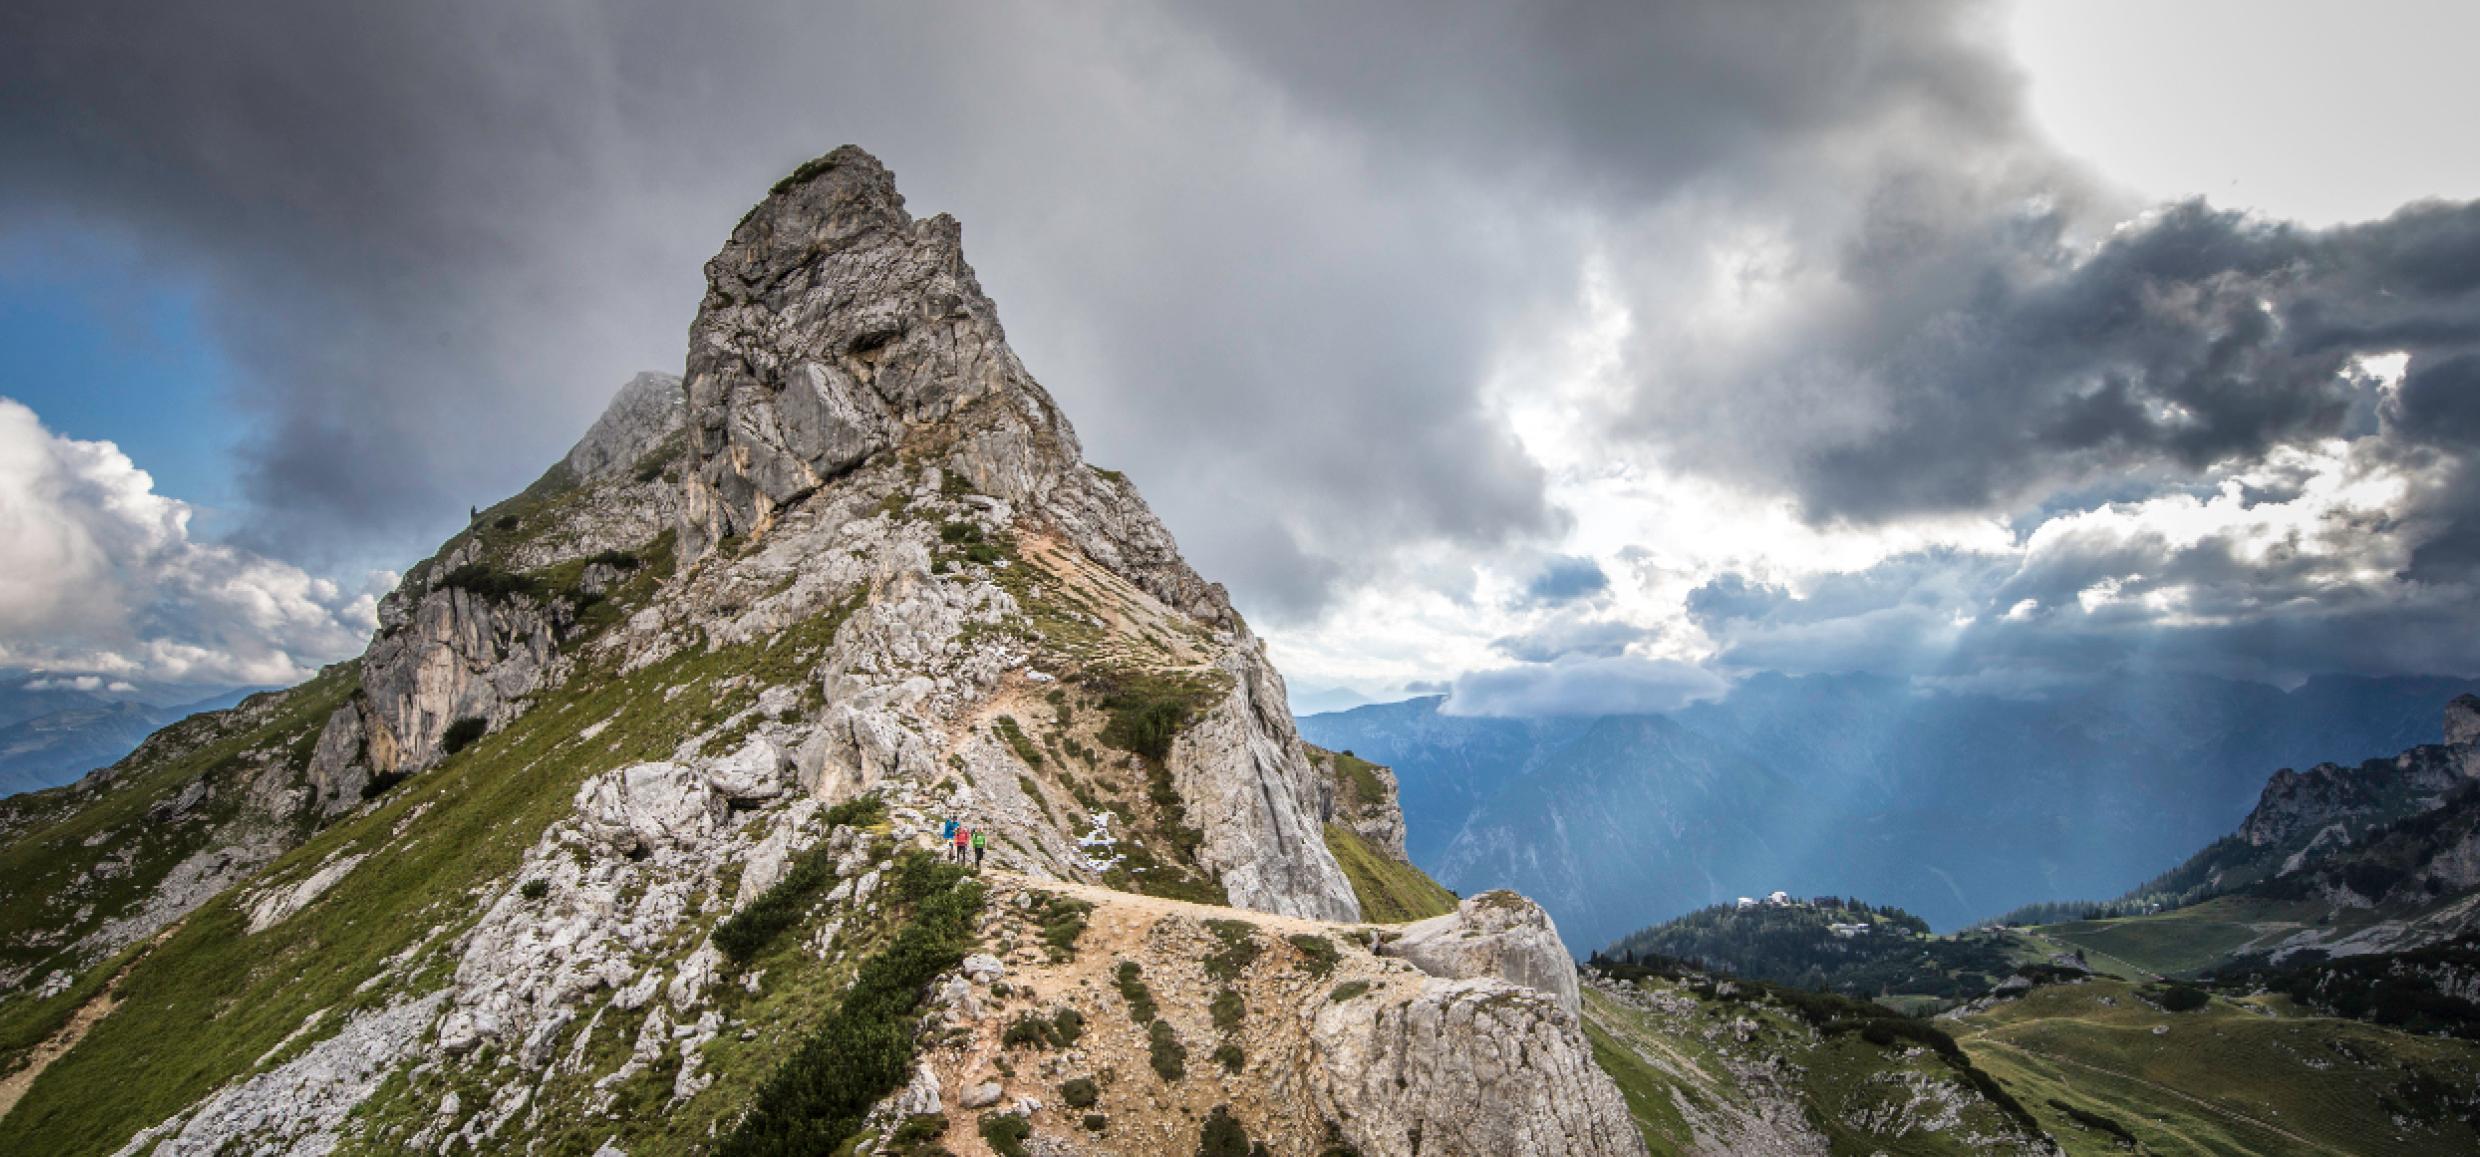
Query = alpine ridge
x=629 y=834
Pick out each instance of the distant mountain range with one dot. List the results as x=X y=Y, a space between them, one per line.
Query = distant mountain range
x=54 y=729
x=1953 y=806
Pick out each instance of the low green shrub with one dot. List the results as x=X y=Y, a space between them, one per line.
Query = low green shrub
x=1230 y=1057
x=744 y=934
x=1132 y=988
x=484 y=581
x=1240 y=948
x=857 y=812
x=462 y=733
x=2184 y=998
x=2095 y=1121
x=1006 y=1133
x=1063 y=921
x=1347 y=990
x=1018 y=743
x=1080 y=1093
x=1033 y=1030
x=1165 y=1052
x=1222 y=1135
x=863 y=1049
x=534 y=889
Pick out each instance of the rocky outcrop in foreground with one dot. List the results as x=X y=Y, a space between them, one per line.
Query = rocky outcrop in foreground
x=1495 y=934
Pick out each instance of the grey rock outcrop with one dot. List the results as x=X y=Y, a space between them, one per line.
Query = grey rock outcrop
x=1253 y=794
x=1469 y=1067
x=835 y=327
x=1495 y=934
x=645 y=412
x=2463 y=721
x=649 y=805
x=837 y=330
x=457 y=655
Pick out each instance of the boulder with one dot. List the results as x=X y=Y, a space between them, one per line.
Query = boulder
x=758 y=771
x=646 y=806
x=980 y=1096
x=1495 y=934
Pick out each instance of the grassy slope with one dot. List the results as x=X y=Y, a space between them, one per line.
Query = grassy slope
x=1846 y=1088
x=40 y=865
x=2202 y=937
x=207 y=1004
x=2232 y=1078
x=1390 y=891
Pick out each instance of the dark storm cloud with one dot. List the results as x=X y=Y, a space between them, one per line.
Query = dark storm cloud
x=437 y=238
x=1273 y=259
x=1264 y=253
x=2011 y=363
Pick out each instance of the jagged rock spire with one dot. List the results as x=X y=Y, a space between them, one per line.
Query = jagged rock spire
x=836 y=327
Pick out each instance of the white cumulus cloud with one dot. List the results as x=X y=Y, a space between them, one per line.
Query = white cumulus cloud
x=101 y=578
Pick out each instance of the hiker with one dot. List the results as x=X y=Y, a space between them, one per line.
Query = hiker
x=977 y=851
x=947 y=836
x=963 y=834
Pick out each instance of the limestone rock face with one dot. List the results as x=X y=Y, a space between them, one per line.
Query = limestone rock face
x=1495 y=934
x=759 y=770
x=838 y=338
x=458 y=655
x=1252 y=792
x=1478 y=1067
x=2297 y=803
x=645 y=412
x=340 y=764
x=834 y=327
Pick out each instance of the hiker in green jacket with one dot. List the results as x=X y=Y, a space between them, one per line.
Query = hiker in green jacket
x=978 y=848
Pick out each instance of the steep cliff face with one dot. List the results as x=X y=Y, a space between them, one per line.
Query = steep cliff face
x=845 y=350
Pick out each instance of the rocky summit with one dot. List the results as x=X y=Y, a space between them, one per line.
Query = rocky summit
x=633 y=831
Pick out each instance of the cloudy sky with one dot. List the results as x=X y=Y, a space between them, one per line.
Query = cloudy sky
x=1570 y=355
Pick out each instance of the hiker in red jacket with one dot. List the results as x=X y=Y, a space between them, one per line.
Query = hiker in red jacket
x=964 y=839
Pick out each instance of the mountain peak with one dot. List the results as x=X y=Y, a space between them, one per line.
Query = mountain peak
x=639 y=418
x=836 y=328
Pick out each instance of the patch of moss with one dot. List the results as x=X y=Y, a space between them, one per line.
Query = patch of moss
x=1229 y=1009
x=1240 y=948
x=1317 y=954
